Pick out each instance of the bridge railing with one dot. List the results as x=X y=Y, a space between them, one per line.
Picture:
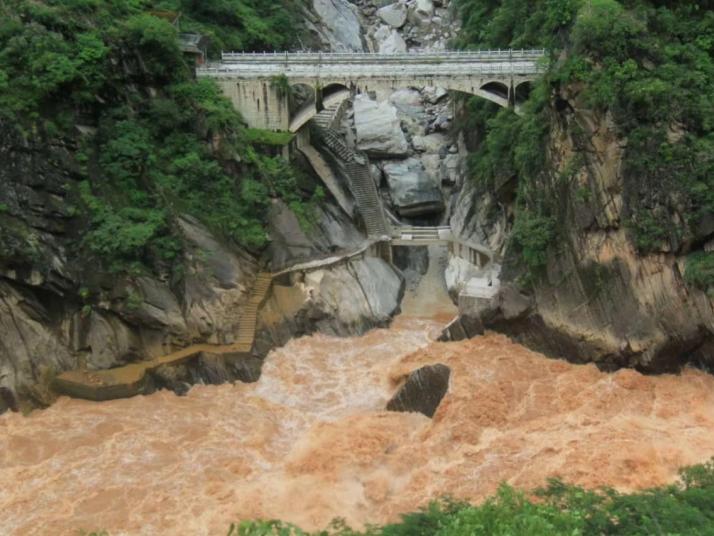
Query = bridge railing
x=369 y=70
x=371 y=57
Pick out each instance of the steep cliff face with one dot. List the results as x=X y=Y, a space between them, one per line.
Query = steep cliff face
x=599 y=298
x=60 y=312
x=598 y=196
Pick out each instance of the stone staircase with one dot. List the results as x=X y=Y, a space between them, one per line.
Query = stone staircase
x=328 y=116
x=249 y=316
x=361 y=183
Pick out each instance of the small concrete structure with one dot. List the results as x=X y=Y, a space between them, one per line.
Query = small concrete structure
x=195 y=45
x=255 y=83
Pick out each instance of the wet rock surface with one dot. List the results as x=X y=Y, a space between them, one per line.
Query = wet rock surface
x=206 y=369
x=423 y=390
x=465 y=326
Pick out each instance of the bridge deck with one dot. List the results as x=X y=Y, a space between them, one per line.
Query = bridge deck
x=371 y=65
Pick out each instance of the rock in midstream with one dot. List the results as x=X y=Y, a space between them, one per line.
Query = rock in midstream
x=423 y=390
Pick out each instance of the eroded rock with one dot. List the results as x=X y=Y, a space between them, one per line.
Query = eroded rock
x=346 y=299
x=423 y=390
x=340 y=24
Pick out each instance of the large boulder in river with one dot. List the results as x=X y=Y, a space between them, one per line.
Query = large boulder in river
x=422 y=391
x=378 y=128
x=413 y=191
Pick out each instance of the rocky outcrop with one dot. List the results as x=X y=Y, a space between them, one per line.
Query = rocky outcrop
x=413 y=191
x=599 y=300
x=339 y=26
x=423 y=390
x=395 y=15
x=59 y=312
x=378 y=129
x=329 y=231
x=347 y=299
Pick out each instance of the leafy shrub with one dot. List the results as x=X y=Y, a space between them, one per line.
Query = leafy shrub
x=559 y=510
x=533 y=234
x=699 y=271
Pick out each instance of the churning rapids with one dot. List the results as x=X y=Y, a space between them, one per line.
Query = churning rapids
x=310 y=442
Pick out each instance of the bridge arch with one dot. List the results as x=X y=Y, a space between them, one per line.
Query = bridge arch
x=302 y=105
x=505 y=93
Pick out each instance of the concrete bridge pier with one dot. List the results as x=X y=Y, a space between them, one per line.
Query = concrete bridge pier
x=263 y=103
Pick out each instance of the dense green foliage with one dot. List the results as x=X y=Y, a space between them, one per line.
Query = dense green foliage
x=557 y=510
x=241 y=24
x=649 y=65
x=268 y=137
x=158 y=143
x=700 y=271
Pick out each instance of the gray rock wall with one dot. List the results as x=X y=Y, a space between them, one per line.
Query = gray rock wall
x=344 y=300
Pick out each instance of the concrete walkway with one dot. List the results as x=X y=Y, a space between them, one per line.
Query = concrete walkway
x=131 y=380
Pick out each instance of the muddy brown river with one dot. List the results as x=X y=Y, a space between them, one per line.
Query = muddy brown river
x=310 y=441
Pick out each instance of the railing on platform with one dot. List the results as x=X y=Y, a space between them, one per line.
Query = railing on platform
x=374 y=70
x=370 y=64
x=316 y=57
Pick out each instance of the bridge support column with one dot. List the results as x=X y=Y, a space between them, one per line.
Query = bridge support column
x=383 y=250
x=261 y=102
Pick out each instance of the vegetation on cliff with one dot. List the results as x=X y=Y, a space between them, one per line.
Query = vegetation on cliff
x=107 y=81
x=645 y=67
x=558 y=509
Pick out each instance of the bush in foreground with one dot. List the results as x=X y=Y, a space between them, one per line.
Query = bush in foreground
x=558 y=509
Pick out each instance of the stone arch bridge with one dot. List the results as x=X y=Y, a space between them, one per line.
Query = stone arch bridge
x=259 y=84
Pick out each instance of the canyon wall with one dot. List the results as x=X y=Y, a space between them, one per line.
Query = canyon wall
x=600 y=299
